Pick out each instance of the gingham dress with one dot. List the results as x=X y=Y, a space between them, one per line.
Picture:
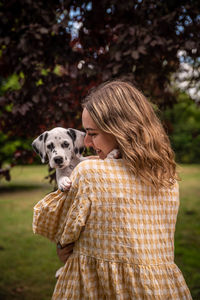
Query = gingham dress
x=123 y=234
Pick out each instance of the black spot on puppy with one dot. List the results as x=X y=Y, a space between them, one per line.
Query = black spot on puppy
x=41 y=137
x=72 y=134
x=76 y=150
x=51 y=146
x=45 y=137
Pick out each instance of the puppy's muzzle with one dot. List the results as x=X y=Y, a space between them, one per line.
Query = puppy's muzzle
x=58 y=160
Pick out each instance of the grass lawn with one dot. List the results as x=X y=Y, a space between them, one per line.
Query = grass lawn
x=187 y=237
x=29 y=262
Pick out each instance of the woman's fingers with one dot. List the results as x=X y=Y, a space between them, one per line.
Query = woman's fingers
x=64 y=252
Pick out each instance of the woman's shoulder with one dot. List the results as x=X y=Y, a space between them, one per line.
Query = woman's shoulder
x=98 y=170
x=98 y=165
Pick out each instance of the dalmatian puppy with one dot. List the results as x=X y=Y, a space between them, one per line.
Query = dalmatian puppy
x=63 y=149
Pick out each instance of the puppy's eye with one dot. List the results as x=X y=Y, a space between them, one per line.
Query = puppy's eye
x=65 y=144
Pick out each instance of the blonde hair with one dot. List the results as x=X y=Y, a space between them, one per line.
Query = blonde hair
x=118 y=108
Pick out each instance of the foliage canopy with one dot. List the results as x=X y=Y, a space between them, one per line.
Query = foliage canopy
x=59 y=49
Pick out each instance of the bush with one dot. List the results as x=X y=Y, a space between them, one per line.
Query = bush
x=183 y=126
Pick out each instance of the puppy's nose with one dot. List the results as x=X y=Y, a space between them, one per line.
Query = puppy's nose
x=58 y=160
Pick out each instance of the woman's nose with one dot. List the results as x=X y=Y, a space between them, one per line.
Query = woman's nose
x=88 y=141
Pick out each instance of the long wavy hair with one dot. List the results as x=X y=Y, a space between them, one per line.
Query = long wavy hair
x=118 y=108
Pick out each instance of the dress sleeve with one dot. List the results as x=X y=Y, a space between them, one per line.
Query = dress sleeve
x=60 y=216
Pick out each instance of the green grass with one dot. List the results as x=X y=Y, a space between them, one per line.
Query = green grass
x=187 y=237
x=29 y=262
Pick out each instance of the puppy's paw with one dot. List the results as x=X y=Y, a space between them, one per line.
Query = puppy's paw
x=64 y=184
x=58 y=272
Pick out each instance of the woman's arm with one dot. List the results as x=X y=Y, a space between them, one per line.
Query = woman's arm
x=61 y=216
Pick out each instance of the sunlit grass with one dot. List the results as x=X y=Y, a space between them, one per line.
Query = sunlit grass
x=26 y=177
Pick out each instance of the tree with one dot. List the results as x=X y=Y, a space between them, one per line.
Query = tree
x=183 y=126
x=56 y=65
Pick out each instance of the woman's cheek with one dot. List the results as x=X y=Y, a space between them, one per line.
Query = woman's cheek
x=95 y=142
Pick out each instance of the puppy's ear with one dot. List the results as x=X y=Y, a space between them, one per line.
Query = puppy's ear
x=39 y=146
x=77 y=137
x=72 y=133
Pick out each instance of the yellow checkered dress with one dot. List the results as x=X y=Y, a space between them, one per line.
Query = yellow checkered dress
x=123 y=234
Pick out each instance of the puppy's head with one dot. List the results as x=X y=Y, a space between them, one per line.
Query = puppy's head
x=59 y=146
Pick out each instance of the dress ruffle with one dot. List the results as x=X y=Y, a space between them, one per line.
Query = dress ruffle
x=91 y=278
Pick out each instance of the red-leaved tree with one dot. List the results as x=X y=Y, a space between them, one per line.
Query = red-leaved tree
x=60 y=49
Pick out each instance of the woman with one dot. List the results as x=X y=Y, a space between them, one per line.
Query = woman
x=119 y=213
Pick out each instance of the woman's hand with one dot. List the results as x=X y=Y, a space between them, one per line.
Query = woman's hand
x=64 y=252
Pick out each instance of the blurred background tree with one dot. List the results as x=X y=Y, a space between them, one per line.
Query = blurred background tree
x=53 y=52
x=183 y=125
